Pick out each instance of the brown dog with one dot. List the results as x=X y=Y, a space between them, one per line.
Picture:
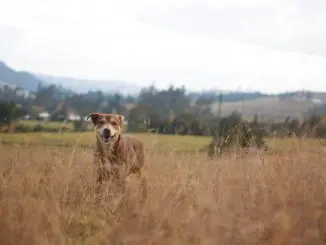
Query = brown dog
x=116 y=155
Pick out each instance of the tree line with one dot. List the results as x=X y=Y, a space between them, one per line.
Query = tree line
x=167 y=111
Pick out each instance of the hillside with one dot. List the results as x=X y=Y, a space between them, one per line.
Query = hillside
x=84 y=85
x=269 y=107
x=22 y=79
x=30 y=81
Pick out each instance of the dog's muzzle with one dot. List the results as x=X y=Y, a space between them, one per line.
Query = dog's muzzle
x=106 y=134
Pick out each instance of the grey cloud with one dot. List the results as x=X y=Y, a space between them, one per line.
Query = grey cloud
x=297 y=26
x=10 y=38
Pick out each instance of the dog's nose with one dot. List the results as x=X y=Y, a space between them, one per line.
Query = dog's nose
x=106 y=133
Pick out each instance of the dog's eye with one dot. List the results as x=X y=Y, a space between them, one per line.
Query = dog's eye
x=101 y=122
x=114 y=123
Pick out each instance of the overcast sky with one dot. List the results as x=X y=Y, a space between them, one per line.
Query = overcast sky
x=266 y=45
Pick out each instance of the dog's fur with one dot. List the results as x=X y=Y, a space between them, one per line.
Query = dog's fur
x=116 y=156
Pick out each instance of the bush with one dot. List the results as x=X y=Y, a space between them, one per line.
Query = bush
x=241 y=135
x=80 y=125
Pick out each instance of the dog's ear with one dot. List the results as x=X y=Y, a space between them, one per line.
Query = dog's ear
x=94 y=117
x=121 y=118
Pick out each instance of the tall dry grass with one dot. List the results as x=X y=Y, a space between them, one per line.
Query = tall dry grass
x=46 y=197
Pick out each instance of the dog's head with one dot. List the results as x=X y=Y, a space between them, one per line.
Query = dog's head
x=107 y=126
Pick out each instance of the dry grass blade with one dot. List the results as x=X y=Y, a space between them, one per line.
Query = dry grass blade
x=47 y=197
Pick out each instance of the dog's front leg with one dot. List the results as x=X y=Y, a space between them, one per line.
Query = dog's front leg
x=102 y=176
x=143 y=185
x=118 y=178
x=99 y=183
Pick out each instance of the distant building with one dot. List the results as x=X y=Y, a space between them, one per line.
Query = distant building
x=27 y=117
x=73 y=117
x=23 y=93
x=44 y=115
x=316 y=101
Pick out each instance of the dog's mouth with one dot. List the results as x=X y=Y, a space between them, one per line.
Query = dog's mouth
x=107 y=138
x=107 y=135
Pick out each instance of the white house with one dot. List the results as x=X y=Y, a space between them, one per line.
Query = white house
x=44 y=115
x=73 y=117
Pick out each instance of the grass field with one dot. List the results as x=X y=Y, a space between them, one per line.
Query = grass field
x=46 y=124
x=153 y=142
x=47 y=183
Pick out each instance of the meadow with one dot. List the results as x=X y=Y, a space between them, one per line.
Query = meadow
x=47 y=182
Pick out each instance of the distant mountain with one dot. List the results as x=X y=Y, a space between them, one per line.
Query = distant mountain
x=84 y=85
x=30 y=82
x=22 y=79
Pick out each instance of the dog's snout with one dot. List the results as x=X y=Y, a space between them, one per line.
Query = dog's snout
x=106 y=133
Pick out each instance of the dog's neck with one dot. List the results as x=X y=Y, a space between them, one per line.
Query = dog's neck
x=108 y=149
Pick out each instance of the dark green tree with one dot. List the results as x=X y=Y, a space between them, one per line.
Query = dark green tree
x=10 y=112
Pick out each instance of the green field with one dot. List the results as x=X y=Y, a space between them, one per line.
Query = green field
x=86 y=139
x=49 y=124
x=155 y=142
x=30 y=125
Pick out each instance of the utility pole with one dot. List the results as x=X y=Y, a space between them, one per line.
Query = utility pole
x=220 y=100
